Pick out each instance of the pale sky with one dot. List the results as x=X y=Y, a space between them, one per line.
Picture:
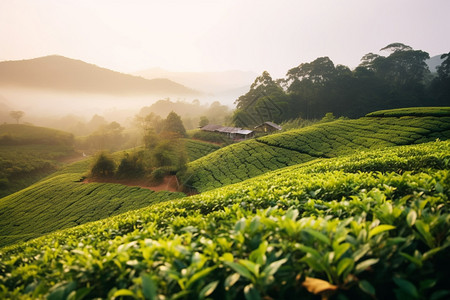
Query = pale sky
x=213 y=35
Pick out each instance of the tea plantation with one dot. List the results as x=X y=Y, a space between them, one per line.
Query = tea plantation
x=196 y=149
x=29 y=153
x=254 y=157
x=63 y=201
x=372 y=225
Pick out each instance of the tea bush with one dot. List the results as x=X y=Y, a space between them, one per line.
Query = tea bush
x=247 y=159
x=340 y=228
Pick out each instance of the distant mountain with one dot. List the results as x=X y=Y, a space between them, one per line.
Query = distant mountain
x=58 y=73
x=434 y=62
x=215 y=83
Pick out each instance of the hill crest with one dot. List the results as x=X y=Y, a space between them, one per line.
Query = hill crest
x=59 y=73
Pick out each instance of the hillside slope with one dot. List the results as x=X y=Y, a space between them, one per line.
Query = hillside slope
x=370 y=225
x=29 y=153
x=63 y=201
x=58 y=73
x=247 y=159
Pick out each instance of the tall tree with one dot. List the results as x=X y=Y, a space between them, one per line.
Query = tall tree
x=265 y=101
x=174 y=124
x=17 y=115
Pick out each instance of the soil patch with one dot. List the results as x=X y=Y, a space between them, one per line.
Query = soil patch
x=170 y=183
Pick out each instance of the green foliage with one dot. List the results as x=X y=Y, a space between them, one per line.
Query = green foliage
x=131 y=165
x=62 y=200
x=203 y=121
x=342 y=137
x=196 y=149
x=103 y=165
x=213 y=137
x=413 y=112
x=328 y=228
x=29 y=153
x=18 y=134
x=174 y=124
x=109 y=137
x=296 y=123
x=399 y=79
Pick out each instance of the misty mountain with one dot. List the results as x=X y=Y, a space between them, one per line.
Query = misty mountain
x=58 y=73
x=434 y=62
x=216 y=83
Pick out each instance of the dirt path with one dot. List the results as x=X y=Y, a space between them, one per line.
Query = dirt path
x=170 y=183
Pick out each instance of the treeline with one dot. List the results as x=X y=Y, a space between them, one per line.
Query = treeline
x=163 y=153
x=310 y=90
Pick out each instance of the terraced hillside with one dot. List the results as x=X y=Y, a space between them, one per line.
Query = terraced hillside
x=372 y=225
x=196 y=149
x=63 y=201
x=29 y=153
x=251 y=158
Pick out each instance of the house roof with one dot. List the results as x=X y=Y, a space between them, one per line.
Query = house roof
x=229 y=129
x=244 y=132
x=271 y=124
x=211 y=127
x=225 y=129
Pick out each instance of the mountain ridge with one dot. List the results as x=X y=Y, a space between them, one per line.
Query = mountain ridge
x=59 y=73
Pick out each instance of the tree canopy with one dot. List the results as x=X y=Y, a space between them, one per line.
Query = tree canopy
x=397 y=77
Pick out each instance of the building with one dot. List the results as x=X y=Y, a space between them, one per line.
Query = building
x=267 y=127
x=234 y=133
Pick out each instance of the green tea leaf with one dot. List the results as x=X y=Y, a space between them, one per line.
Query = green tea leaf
x=123 y=292
x=345 y=265
x=251 y=293
x=243 y=271
x=318 y=235
x=362 y=266
x=379 y=229
x=208 y=289
x=231 y=280
x=271 y=269
x=411 y=217
x=406 y=287
x=149 y=288
x=366 y=287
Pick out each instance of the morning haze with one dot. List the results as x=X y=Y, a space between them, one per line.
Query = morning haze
x=212 y=149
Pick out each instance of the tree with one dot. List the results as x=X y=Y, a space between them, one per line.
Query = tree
x=265 y=101
x=444 y=69
x=203 y=121
x=104 y=165
x=17 y=115
x=174 y=124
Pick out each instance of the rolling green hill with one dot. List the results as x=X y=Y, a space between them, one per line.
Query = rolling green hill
x=29 y=153
x=63 y=201
x=247 y=159
x=196 y=149
x=375 y=224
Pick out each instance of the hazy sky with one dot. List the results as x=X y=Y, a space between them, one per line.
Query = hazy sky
x=213 y=35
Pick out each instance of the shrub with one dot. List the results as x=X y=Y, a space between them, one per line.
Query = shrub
x=103 y=166
x=131 y=165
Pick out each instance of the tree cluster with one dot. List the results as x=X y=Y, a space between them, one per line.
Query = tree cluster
x=310 y=90
x=163 y=153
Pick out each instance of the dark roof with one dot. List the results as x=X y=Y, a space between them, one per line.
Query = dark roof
x=211 y=127
x=271 y=124
x=225 y=129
